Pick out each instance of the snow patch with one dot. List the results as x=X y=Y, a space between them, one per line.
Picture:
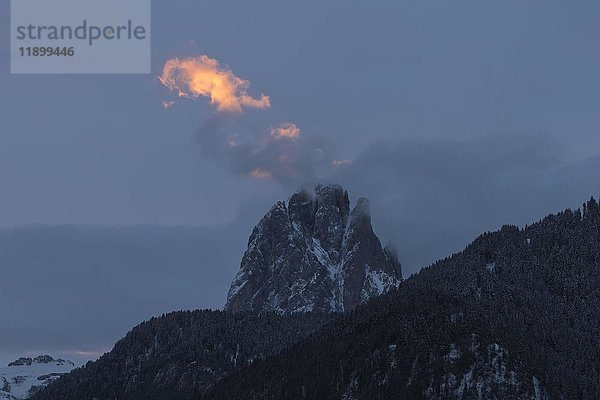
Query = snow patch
x=19 y=381
x=376 y=283
x=454 y=353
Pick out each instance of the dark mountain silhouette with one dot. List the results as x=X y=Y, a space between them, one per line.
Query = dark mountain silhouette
x=312 y=253
x=516 y=315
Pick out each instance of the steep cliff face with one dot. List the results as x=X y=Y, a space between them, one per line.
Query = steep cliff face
x=313 y=253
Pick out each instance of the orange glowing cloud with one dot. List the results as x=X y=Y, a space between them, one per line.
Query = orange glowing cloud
x=259 y=173
x=204 y=76
x=287 y=130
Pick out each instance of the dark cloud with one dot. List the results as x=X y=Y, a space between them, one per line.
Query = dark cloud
x=256 y=153
x=432 y=198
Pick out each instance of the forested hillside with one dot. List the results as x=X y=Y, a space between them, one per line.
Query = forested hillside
x=180 y=355
x=516 y=315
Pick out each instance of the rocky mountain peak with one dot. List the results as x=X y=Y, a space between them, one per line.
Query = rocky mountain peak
x=41 y=359
x=26 y=376
x=313 y=253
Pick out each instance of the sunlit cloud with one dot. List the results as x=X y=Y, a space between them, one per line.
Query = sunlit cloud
x=287 y=130
x=281 y=153
x=203 y=76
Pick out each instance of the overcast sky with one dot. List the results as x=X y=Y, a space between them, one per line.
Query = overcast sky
x=453 y=118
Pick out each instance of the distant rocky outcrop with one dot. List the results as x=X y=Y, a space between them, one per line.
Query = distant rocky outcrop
x=26 y=376
x=44 y=359
x=313 y=253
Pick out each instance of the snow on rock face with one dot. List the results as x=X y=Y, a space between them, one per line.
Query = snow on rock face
x=313 y=253
x=480 y=372
x=25 y=376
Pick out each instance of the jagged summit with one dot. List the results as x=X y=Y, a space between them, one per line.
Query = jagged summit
x=313 y=253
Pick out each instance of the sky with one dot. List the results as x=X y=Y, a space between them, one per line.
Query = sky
x=453 y=118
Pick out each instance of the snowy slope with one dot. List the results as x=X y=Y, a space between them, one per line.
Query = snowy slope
x=26 y=375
